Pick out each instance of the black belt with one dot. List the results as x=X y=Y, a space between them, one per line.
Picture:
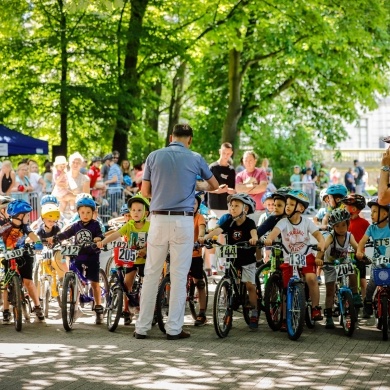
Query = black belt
x=167 y=212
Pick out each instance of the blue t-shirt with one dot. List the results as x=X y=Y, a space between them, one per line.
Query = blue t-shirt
x=381 y=239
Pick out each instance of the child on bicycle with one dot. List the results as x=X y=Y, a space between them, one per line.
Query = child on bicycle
x=379 y=231
x=196 y=269
x=14 y=234
x=241 y=228
x=135 y=233
x=50 y=214
x=358 y=226
x=268 y=203
x=85 y=231
x=336 y=248
x=335 y=193
x=295 y=231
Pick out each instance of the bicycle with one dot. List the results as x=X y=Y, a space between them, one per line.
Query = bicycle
x=230 y=292
x=76 y=287
x=12 y=282
x=192 y=297
x=345 y=305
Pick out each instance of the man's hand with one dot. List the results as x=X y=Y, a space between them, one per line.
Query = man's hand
x=386 y=157
x=231 y=191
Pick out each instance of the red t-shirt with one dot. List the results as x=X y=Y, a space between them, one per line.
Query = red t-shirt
x=358 y=227
x=93 y=174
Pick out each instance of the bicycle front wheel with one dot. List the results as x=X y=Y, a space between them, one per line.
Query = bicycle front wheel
x=310 y=323
x=104 y=289
x=262 y=275
x=385 y=318
x=347 y=313
x=45 y=294
x=26 y=305
x=193 y=296
x=68 y=300
x=273 y=301
x=162 y=303
x=222 y=310
x=295 y=309
x=115 y=307
x=15 y=298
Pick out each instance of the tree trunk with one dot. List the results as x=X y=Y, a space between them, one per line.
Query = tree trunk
x=152 y=117
x=176 y=99
x=234 y=111
x=128 y=81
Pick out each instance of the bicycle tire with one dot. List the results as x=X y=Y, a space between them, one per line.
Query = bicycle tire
x=262 y=276
x=193 y=296
x=115 y=308
x=347 y=314
x=222 y=310
x=162 y=302
x=104 y=289
x=273 y=301
x=26 y=305
x=246 y=309
x=59 y=292
x=109 y=265
x=46 y=294
x=385 y=317
x=310 y=323
x=68 y=300
x=295 y=309
x=15 y=298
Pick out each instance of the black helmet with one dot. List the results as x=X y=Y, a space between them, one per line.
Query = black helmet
x=338 y=215
x=374 y=201
x=356 y=200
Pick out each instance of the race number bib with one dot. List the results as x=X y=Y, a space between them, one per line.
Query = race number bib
x=228 y=251
x=382 y=260
x=297 y=259
x=116 y=244
x=127 y=255
x=344 y=270
x=70 y=250
x=47 y=254
x=13 y=254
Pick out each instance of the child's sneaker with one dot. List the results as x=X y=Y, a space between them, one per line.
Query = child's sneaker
x=319 y=280
x=99 y=314
x=6 y=317
x=200 y=320
x=367 y=308
x=283 y=327
x=316 y=313
x=357 y=300
x=39 y=313
x=128 y=317
x=253 y=322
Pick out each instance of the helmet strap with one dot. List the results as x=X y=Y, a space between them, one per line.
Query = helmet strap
x=383 y=219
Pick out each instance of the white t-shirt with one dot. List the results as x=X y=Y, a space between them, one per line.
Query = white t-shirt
x=296 y=237
x=34 y=181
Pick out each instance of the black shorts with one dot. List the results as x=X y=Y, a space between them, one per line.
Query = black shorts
x=139 y=267
x=25 y=266
x=92 y=271
x=361 y=266
x=196 y=269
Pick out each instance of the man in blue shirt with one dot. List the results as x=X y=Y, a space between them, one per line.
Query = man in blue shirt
x=113 y=182
x=170 y=180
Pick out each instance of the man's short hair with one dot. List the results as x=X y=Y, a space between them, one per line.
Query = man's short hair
x=182 y=130
x=355 y=161
x=227 y=145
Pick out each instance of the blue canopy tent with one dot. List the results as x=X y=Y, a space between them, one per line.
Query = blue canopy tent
x=13 y=143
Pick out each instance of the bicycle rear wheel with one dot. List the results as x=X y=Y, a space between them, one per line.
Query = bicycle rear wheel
x=310 y=323
x=246 y=309
x=15 y=298
x=347 y=313
x=222 y=310
x=104 y=289
x=45 y=294
x=162 y=302
x=115 y=307
x=26 y=305
x=295 y=309
x=68 y=300
x=193 y=296
x=385 y=318
x=262 y=276
x=273 y=301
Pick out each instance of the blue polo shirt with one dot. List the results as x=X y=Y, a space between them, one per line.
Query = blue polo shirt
x=115 y=170
x=172 y=173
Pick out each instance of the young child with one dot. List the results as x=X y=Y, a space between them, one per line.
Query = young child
x=295 y=179
x=14 y=234
x=61 y=188
x=241 y=228
x=358 y=226
x=336 y=248
x=335 y=193
x=268 y=203
x=85 y=231
x=196 y=269
x=324 y=198
x=295 y=231
x=135 y=233
x=379 y=231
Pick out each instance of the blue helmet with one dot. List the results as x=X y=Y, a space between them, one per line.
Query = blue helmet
x=337 y=189
x=86 y=202
x=267 y=195
x=127 y=180
x=300 y=196
x=49 y=199
x=18 y=207
x=124 y=209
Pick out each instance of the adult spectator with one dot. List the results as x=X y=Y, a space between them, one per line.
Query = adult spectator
x=138 y=174
x=114 y=185
x=383 y=184
x=105 y=167
x=84 y=166
x=22 y=182
x=334 y=176
x=78 y=182
x=252 y=181
x=47 y=176
x=95 y=180
x=170 y=179
x=295 y=178
x=309 y=164
x=240 y=167
x=35 y=178
x=7 y=178
x=358 y=173
x=268 y=169
x=349 y=181
x=126 y=169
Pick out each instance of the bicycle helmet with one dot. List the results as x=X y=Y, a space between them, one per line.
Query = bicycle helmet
x=127 y=181
x=374 y=201
x=86 y=202
x=300 y=196
x=18 y=207
x=138 y=198
x=49 y=199
x=323 y=194
x=83 y=195
x=244 y=198
x=50 y=211
x=267 y=195
x=5 y=201
x=337 y=189
x=338 y=215
x=356 y=200
x=124 y=209
x=281 y=193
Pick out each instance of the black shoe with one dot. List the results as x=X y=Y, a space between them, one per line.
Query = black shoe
x=139 y=336
x=182 y=335
x=367 y=308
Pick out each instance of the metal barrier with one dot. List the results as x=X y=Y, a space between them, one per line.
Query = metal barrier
x=111 y=203
x=33 y=198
